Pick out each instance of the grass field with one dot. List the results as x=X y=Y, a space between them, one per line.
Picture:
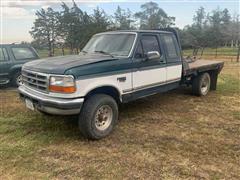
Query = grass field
x=168 y=136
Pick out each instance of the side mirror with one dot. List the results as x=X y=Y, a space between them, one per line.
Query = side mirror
x=151 y=55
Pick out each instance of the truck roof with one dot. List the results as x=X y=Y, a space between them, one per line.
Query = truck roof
x=15 y=45
x=137 y=31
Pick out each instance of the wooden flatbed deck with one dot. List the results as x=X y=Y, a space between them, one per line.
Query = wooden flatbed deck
x=203 y=65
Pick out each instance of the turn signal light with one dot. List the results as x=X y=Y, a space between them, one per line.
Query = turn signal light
x=61 y=89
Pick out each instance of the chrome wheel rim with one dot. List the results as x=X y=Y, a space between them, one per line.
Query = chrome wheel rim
x=205 y=85
x=103 y=117
x=19 y=80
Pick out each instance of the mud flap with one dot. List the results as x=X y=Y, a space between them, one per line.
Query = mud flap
x=214 y=77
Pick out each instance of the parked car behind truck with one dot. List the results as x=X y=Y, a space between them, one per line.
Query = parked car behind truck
x=113 y=68
x=12 y=57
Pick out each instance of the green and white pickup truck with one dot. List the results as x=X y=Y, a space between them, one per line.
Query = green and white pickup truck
x=113 y=68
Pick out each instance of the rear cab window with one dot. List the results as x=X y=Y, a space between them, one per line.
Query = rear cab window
x=3 y=54
x=23 y=53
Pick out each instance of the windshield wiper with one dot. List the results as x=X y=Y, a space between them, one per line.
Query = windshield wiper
x=103 y=52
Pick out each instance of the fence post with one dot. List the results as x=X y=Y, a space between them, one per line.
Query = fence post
x=216 y=52
x=238 y=53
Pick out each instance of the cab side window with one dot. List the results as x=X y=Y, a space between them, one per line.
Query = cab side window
x=146 y=44
x=3 y=54
x=150 y=43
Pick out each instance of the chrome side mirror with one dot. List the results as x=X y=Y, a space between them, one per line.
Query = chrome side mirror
x=151 y=55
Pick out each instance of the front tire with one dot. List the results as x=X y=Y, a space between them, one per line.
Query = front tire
x=201 y=84
x=17 y=79
x=98 y=116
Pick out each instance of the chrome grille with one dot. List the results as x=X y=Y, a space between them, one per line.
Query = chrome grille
x=35 y=80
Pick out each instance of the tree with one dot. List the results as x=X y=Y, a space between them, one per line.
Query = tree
x=199 y=18
x=45 y=28
x=71 y=23
x=195 y=35
x=226 y=26
x=153 y=17
x=123 y=19
x=100 y=21
x=215 y=33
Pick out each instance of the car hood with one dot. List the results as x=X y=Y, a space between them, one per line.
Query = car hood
x=60 y=64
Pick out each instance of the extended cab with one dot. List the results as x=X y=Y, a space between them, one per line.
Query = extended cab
x=12 y=57
x=114 y=67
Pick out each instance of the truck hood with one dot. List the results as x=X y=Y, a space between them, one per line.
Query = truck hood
x=59 y=64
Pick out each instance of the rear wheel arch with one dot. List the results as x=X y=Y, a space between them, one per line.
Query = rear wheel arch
x=213 y=77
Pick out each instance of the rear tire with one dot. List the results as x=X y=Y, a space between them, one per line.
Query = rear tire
x=201 y=84
x=17 y=79
x=98 y=116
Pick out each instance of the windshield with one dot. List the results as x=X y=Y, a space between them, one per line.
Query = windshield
x=112 y=44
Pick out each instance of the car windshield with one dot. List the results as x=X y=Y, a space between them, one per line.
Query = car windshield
x=112 y=44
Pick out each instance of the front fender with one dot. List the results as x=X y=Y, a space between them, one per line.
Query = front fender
x=15 y=68
x=84 y=86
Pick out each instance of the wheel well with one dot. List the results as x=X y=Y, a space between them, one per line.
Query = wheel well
x=210 y=72
x=14 y=71
x=109 y=90
x=213 y=78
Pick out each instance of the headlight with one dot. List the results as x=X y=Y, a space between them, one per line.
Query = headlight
x=62 y=84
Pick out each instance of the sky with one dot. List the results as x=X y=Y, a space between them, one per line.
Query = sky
x=17 y=16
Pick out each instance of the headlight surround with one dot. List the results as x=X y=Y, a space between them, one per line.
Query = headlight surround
x=62 y=84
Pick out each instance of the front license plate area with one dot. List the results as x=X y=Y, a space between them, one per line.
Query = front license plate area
x=29 y=104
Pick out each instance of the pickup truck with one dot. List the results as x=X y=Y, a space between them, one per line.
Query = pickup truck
x=12 y=57
x=114 y=67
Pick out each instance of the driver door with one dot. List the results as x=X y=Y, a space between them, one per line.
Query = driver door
x=148 y=73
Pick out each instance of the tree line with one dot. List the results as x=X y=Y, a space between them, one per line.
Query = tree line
x=215 y=29
x=72 y=27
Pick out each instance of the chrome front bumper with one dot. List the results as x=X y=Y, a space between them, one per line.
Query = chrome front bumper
x=51 y=105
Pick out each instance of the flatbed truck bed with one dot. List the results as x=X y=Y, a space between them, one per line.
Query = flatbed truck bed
x=194 y=68
x=203 y=65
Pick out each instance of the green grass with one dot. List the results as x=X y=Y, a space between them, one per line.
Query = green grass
x=168 y=136
x=228 y=84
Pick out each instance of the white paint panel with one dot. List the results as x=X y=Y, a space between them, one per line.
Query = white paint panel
x=84 y=86
x=148 y=77
x=174 y=72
